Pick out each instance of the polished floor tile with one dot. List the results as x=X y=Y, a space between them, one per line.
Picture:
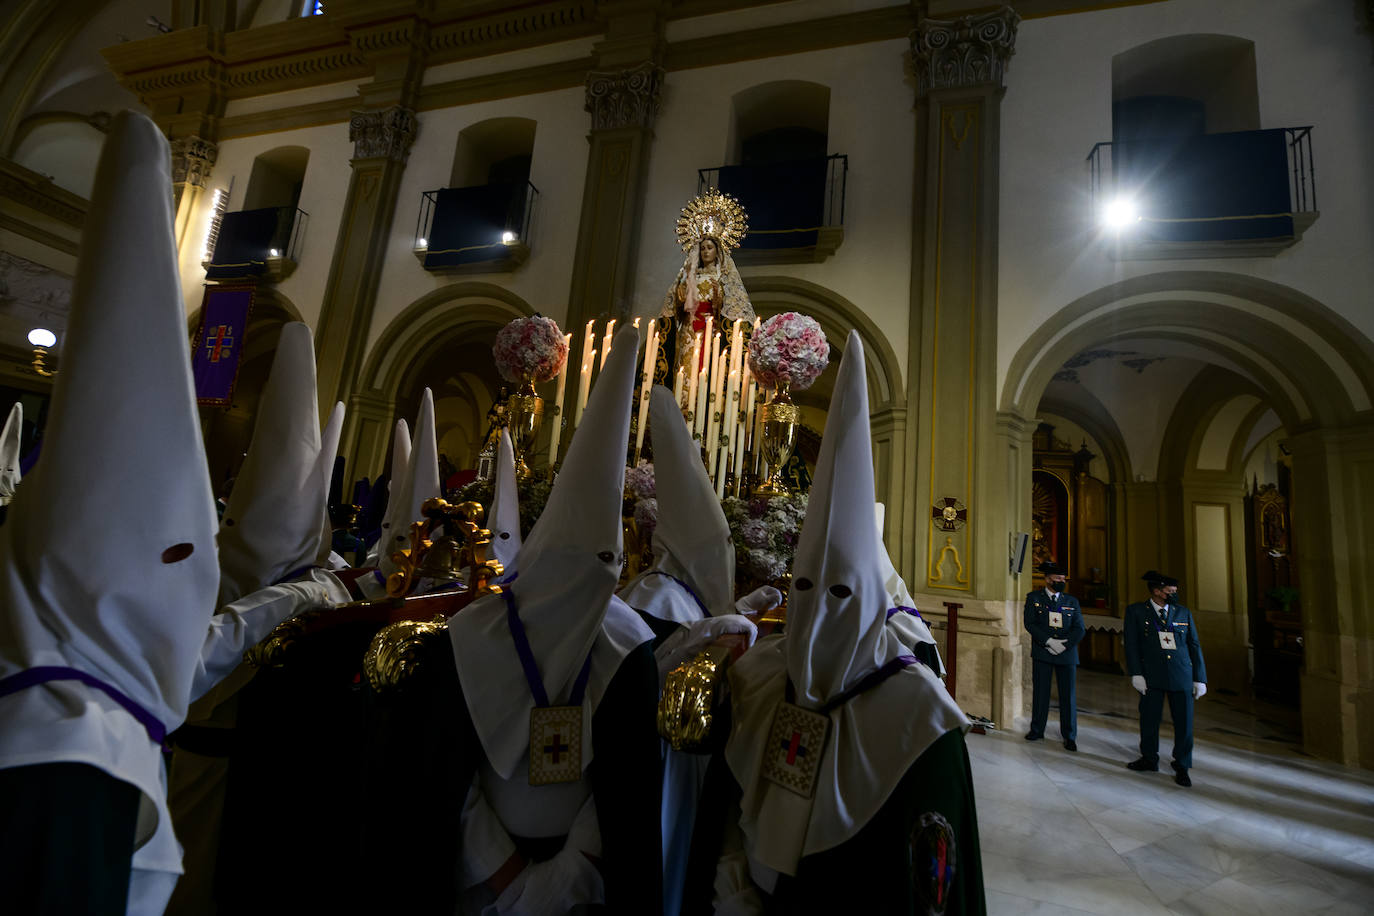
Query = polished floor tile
x=1264 y=829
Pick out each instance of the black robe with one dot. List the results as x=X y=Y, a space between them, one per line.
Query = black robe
x=896 y=865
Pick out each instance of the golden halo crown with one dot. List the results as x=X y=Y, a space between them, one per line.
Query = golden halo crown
x=715 y=214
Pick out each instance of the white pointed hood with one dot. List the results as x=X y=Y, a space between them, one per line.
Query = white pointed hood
x=504 y=518
x=271 y=525
x=567 y=571
x=836 y=635
x=902 y=616
x=692 y=539
x=837 y=606
x=9 y=453
x=400 y=467
x=130 y=601
x=329 y=449
x=421 y=483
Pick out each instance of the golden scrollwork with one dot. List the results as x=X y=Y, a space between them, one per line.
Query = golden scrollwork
x=394 y=654
x=689 y=695
x=273 y=651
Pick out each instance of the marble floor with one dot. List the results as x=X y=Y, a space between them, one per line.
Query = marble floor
x=1264 y=828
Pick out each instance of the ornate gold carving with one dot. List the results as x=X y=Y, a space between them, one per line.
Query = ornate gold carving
x=274 y=651
x=965 y=52
x=949 y=514
x=394 y=654
x=689 y=695
x=385 y=134
x=624 y=98
x=958 y=136
x=953 y=551
x=715 y=214
x=192 y=160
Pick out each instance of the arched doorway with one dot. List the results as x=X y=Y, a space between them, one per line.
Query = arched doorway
x=1186 y=364
x=442 y=341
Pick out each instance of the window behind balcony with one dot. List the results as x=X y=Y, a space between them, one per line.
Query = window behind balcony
x=1187 y=143
x=779 y=140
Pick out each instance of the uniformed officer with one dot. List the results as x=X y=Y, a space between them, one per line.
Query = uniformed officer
x=1055 y=623
x=1164 y=661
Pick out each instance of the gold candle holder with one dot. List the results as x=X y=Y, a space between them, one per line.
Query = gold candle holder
x=525 y=411
x=780 y=419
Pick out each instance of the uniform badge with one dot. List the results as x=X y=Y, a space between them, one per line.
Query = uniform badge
x=1056 y=618
x=933 y=861
x=555 y=744
x=1166 y=640
x=795 y=743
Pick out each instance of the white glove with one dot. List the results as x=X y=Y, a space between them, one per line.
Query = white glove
x=1199 y=690
x=1055 y=646
x=697 y=635
x=761 y=599
x=1138 y=682
x=561 y=883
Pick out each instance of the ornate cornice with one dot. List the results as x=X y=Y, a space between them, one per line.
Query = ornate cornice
x=192 y=160
x=964 y=53
x=37 y=192
x=624 y=98
x=385 y=134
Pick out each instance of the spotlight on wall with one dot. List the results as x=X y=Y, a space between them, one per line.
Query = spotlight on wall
x=1120 y=213
x=275 y=252
x=508 y=237
x=422 y=243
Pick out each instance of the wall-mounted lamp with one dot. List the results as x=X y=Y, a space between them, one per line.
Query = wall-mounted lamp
x=275 y=252
x=41 y=339
x=508 y=237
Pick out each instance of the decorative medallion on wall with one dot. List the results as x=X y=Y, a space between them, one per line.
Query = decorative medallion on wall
x=949 y=514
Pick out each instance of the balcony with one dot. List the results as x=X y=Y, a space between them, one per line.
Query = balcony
x=1234 y=195
x=262 y=243
x=796 y=209
x=481 y=229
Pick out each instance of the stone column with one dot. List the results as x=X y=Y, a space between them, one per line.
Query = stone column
x=381 y=144
x=192 y=160
x=623 y=104
x=952 y=371
x=1333 y=470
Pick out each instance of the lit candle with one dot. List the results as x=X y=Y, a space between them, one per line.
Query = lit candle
x=584 y=385
x=606 y=343
x=715 y=403
x=589 y=339
x=677 y=387
x=556 y=433
x=692 y=377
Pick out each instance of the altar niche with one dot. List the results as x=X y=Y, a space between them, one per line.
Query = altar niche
x=1071 y=513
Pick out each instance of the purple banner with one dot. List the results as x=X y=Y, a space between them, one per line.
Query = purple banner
x=219 y=342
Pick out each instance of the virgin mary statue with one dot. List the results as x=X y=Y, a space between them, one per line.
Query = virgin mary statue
x=707 y=285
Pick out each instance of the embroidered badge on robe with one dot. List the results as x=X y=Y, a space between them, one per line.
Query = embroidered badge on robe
x=555 y=744
x=933 y=861
x=1056 y=618
x=795 y=742
x=1166 y=640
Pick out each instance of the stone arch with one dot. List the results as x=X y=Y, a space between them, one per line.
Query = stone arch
x=1098 y=422
x=432 y=320
x=837 y=316
x=1314 y=366
x=437 y=320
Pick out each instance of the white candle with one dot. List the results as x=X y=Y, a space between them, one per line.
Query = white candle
x=644 y=393
x=584 y=385
x=677 y=387
x=716 y=404
x=556 y=434
x=692 y=377
x=589 y=339
x=606 y=343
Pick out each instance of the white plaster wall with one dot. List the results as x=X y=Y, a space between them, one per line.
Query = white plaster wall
x=1215 y=448
x=871 y=121
x=1262 y=458
x=1314 y=66
x=557 y=168
x=322 y=196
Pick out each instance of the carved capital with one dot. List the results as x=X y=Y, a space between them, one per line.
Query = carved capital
x=624 y=98
x=192 y=160
x=965 y=52
x=384 y=134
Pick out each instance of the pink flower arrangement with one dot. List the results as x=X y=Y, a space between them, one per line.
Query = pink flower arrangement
x=788 y=348
x=530 y=348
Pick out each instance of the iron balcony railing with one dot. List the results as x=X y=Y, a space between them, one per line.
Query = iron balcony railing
x=787 y=202
x=1238 y=176
x=247 y=239
x=467 y=225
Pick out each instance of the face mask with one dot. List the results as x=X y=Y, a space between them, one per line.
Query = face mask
x=1056 y=586
x=1172 y=598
